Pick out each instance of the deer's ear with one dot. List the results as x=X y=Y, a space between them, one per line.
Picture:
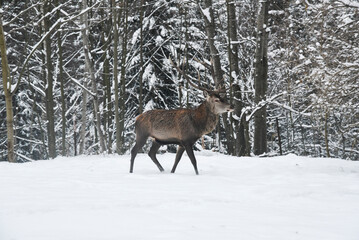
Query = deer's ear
x=205 y=93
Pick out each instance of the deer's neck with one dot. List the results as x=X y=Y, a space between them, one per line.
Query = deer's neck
x=206 y=119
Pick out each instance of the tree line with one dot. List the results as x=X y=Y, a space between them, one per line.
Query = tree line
x=75 y=74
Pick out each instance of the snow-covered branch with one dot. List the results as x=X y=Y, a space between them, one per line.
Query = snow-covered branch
x=46 y=35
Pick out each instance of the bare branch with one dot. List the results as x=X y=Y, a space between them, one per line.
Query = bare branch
x=17 y=16
x=187 y=78
x=79 y=84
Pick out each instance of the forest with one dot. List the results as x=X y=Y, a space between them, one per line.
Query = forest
x=75 y=74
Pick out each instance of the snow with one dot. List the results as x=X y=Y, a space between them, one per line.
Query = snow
x=307 y=62
x=159 y=40
x=149 y=106
x=152 y=23
x=94 y=197
x=206 y=13
x=148 y=71
x=276 y=12
x=350 y=3
x=135 y=36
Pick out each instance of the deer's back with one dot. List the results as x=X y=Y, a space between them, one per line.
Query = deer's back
x=176 y=126
x=167 y=125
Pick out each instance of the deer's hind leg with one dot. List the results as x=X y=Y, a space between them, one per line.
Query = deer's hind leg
x=191 y=156
x=152 y=153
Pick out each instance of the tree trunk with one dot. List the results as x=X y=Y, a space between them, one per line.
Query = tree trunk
x=123 y=83
x=141 y=58
x=107 y=98
x=49 y=86
x=61 y=79
x=279 y=138
x=210 y=30
x=107 y=102
x=240 y=140
x=8 y=96
x=91 y=74
x=326 y=136
x=115 y=73
x=43 y=131
x=83 y=120
x=75 y=133
x=260 y=80
x=216 y=63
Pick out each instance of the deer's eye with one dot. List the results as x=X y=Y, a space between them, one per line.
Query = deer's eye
x=217 y=100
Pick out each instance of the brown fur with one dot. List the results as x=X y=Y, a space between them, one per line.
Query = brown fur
x=178 y=125
x=182 y=126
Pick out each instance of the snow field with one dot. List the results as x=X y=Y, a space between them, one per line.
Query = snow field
x=95 y=198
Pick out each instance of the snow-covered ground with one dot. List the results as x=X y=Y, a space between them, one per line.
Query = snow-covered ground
x=95 y=198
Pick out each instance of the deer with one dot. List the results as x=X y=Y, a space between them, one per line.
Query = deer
x=179 y=126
